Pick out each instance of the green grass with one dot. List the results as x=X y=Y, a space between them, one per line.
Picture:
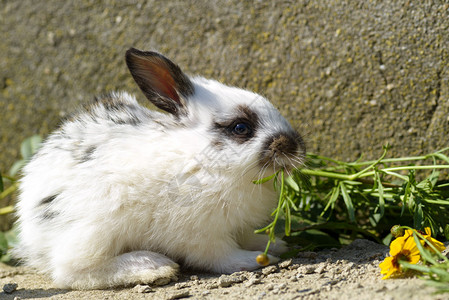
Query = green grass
x=331 y=203
x=364 y=198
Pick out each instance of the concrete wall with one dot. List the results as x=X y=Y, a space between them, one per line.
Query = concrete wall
x=352 y=75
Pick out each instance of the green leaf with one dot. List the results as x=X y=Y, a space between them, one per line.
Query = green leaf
x=442 y=273
x=418 y=217
x=12 y=236
x=29 y=146
x=263 y=180
x=419 y=268
x=292 y=183
x=16 y=167
x=332 y=199
x=348 y=202
x=291 y=203
x=441 y=156
x=405 y=197
x=8 y=240
x=433 y=178
x=380 y=189
x=425 y=254
x=446 y=231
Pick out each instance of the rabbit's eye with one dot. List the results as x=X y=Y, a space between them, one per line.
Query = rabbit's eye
x=242 y=129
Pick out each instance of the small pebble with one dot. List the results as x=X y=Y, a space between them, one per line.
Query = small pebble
x=178 y=295
x=293 y=267
x=194 y=277
x=285 y=263
x=350 y=266
x=269 y=270
x=307 y=270
x=211 y=286
x=181 y=285
x=321 y=269
x=228 y=280
x=143 y=289
x=10 y=288
x=252 y=281
x=281 y=286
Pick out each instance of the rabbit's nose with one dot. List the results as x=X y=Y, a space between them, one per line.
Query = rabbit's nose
x=281 y=148
x=282 y=143
x=288 y=143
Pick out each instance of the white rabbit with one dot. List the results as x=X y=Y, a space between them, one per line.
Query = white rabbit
x=120 y=193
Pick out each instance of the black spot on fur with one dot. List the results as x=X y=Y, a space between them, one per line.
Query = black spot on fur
x=49 y=215
x=48 y=200
x=120 y=113
x=45 y=207
x=88 y=153
x=124 y=121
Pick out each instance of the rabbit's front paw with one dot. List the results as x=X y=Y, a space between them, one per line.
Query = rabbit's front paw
x=278 y=247
x=162 y=276
x=242 y=260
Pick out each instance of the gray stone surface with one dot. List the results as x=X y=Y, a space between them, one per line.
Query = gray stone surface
x=352 y=75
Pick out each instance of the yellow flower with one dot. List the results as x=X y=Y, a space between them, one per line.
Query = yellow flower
x=437 y=244
x=401 y=249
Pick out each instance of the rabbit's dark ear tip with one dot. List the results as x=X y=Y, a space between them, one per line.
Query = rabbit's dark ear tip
x=132 y=51
x=136 y=52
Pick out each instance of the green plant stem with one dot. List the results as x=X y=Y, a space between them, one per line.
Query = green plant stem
x=359 y=175
x=406 y=168
x=11 y=189
x=388 y=160
x=381 y=161
x=325 y=174
x=10 y=178
x=371 y=166
x=7 y=210
x=267 y=247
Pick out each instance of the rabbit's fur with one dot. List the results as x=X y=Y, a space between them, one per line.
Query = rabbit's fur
x=120 y=193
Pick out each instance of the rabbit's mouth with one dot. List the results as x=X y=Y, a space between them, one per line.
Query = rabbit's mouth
x=283 y=151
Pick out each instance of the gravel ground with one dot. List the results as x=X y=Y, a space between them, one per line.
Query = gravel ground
x=348 y=273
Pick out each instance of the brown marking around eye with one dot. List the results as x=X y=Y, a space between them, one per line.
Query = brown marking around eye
x=248 y=114
x=243 y=115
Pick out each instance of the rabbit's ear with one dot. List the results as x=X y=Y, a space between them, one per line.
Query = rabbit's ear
x=162 y=81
